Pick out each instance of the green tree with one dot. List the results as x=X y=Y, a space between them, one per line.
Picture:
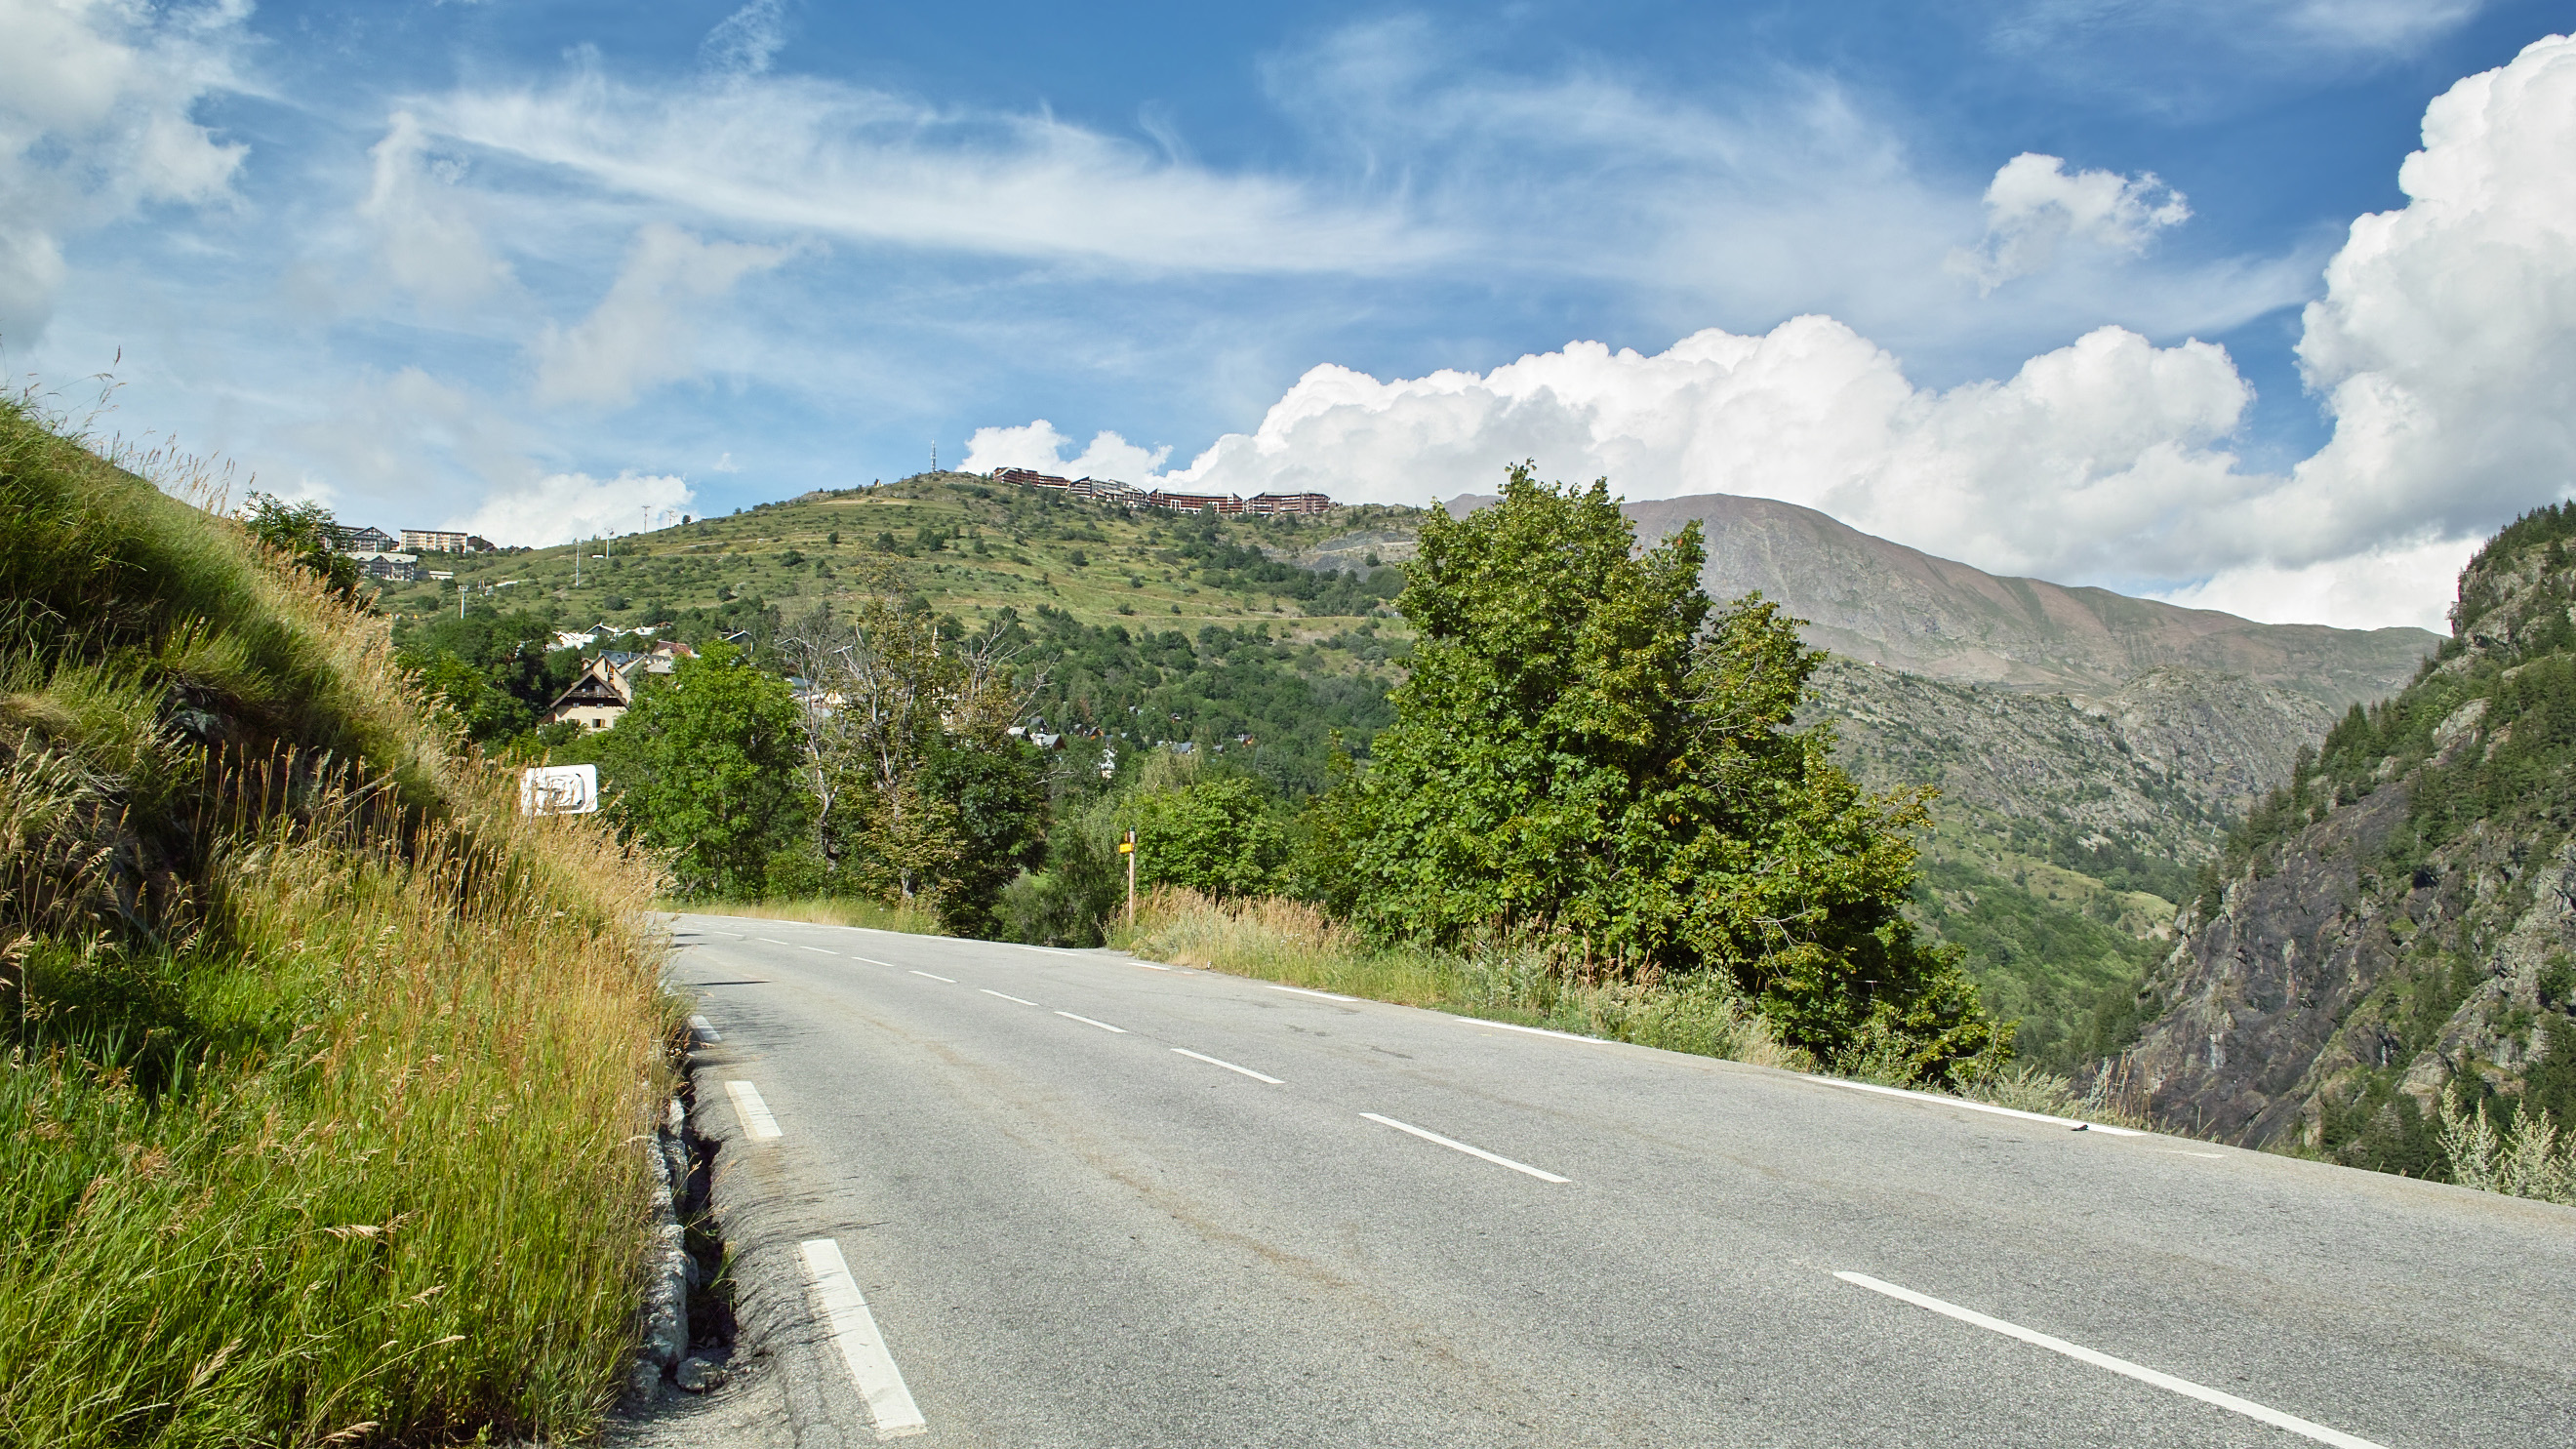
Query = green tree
x=704 y=765
x=302 y=532
x=495 y=670
x=1588 y=746
x=1216 y=835
x=919 y=788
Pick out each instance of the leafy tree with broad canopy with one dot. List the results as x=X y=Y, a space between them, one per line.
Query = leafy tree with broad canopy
x=1588 y=746
x=703 y=765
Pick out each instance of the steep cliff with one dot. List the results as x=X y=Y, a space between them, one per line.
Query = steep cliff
x=2400 y=919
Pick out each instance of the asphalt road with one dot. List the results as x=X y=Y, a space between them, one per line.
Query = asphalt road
x=1069 y=1234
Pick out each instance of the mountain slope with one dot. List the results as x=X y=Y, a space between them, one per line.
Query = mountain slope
x=1870 y=599
x=2401 y=918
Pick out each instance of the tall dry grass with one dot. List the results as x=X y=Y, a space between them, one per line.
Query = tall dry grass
x=1290 y=942
x=829 y=911
x=326 y=1069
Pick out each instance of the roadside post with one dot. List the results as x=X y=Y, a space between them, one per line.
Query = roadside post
x=1127 y=848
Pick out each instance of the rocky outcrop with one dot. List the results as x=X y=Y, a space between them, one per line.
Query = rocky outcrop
x=2162 y=764
x=2400 y=921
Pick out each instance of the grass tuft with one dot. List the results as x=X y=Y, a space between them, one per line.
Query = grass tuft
x=324 y=1067
x=1271 y=939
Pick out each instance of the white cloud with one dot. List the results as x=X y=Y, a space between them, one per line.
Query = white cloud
x=2096 y=455
x=2399 y=584
x=2033 y=206
x=804 y=155
x=2445 y=347
x=2446 y=341
x=2384 y=25
x=1038 y=445
x=744 y=42
x=562 y=506
x=642 y=332
x=96 y=100
x=2286 y=31
x=410 y=451
x=426 y=236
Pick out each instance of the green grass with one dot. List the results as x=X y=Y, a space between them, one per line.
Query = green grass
x=324 y=1067
x=969 y=547
x=1273 y=939
x=828 y=911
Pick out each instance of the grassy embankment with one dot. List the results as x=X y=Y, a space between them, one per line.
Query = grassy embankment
x=1294 y=944
x=873 y=915
x=325 y=1068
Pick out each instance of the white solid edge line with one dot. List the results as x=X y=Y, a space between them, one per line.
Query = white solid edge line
x=1229 y=1066
x=1150 y=965
x=1453 y=1144
x=753 y=1111
x=1050 y=950
x=1978 y=1106
x=1006 y=996
x=1087 y=1021
x=863 y=1349
x=1532 y=1030
x=1302 y=991
x=917 y=971
x=2141 y=1373
x=705 y=1029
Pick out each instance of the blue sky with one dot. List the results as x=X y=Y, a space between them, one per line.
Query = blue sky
x=549 y=267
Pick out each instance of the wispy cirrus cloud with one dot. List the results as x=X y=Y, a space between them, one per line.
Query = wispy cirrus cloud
x=797 y=154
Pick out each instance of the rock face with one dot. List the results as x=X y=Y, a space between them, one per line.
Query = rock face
x=2399 y=921
x=2162 y=765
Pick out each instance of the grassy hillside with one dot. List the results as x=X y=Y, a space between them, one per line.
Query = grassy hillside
x=324 y=1067
x=2069 y=833
x=1143 y=623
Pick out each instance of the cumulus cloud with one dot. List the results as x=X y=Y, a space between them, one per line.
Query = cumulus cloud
x=2444 y=348
x=562 y=506
x=426 y=236
x=407 y=450
x=642 y=332
x=2094 y=455
x=1038 y=445
x=2445 y=344
x=2033 y=206
x=96 y=106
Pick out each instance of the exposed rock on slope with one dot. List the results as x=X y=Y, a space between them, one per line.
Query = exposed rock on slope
x=2401 y=917
x=2162 y=765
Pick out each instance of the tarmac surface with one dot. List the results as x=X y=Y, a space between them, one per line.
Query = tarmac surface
x=1085 y=1201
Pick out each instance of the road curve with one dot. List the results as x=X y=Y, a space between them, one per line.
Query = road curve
x=1083 y=1202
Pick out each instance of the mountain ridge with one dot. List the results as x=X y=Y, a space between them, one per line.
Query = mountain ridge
x=1881 y=602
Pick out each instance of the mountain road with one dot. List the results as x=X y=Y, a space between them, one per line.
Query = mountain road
x=988 y=1194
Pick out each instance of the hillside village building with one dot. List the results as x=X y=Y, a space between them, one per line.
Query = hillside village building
x=400 y=568
x=1110 y=490
x=606 y=688
x=358 y=542
x=440 y=540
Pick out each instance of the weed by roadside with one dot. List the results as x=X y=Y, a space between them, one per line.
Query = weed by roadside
x=1273 y=939
x=325 y=1067
x=825 y=911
